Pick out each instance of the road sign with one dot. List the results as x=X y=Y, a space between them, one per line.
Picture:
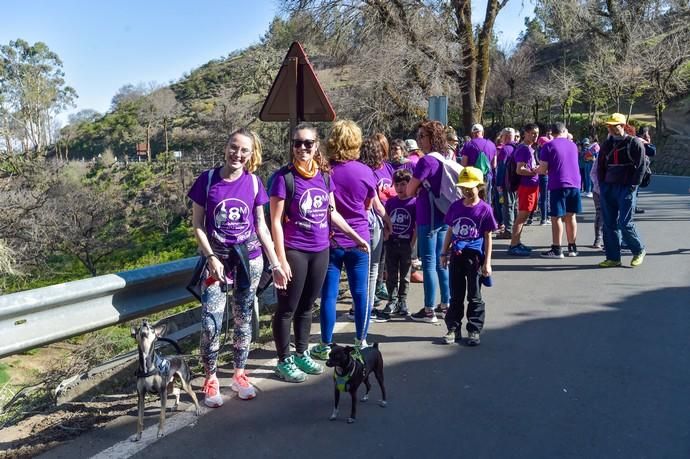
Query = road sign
x=438 y=109
x=296 y=94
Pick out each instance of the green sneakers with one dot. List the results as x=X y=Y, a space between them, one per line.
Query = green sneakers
x=320 y=351
x=610 y=264
x=305 y=363
x=638 y=259
x=288 y=371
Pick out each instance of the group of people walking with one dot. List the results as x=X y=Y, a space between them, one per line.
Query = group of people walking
x=370 y=205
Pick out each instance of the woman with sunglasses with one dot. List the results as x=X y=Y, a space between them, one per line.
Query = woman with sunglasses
x=229 y=226
x=301 y=226
x=431 y=230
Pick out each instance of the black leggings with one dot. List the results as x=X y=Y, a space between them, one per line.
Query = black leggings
x=308 y=274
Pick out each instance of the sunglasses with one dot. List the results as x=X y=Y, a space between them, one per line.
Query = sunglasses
x=296 y=143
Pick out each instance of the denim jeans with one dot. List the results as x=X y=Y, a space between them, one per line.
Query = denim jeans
x=544 y=196
x=617 y=209
x=508 y=208
x=588 y=178
x=376 y=235
x=430 y=245
x=357 y=268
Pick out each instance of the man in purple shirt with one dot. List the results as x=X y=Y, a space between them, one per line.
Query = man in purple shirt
x=471 y=156
x=558 y=159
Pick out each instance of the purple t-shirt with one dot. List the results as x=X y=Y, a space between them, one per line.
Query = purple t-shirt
x=561 y=155
x=429 y=169
x=402 y=214
x=414 y=159
x=505 y=151
x=384 y=176
x=472 y=148
x=306 y=226
x=230 y=208
x=525 y=154
x=405 y=165
x=355 y=185
x=469 y=223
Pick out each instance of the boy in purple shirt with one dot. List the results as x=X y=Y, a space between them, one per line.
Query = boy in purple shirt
x=558 y=158
x=401 y=210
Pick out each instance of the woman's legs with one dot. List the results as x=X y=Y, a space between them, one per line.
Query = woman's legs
x=242 y=309
x=288 y=301
x=315 y=274
x=212 y=310
x=329 y=293
x=430 y=243
x=357 y=267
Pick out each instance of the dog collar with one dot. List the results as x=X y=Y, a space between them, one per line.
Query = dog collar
x=160 y=366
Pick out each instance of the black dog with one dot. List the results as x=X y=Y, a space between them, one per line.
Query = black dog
x=351 y=368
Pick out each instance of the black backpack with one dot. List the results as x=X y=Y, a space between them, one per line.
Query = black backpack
x=512 y=180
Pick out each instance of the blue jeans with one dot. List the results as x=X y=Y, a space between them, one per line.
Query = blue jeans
x=544 y=196
x=357 y=268
x=588 y=178
x=617 y=209
x=430 y=245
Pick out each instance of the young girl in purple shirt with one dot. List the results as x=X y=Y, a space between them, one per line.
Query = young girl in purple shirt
x=229 y=226
x=301 y=231
x=467 y=250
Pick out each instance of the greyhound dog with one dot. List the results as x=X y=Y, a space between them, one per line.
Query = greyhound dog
x=156 y=374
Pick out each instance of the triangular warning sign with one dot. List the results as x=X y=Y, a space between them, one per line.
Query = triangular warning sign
x=296 y=84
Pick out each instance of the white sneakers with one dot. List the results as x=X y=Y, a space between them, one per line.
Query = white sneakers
x=243 y=387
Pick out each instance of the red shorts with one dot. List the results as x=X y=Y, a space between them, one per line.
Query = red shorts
x=527 y=198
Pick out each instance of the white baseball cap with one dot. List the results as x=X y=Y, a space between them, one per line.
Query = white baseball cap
x=477 y=128
x=411 y=145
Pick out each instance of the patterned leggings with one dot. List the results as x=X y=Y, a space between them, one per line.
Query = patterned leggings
x=212 y=310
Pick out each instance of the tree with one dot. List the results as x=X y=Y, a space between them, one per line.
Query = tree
x=32 y=90
x=165 y=107
x=441 y=32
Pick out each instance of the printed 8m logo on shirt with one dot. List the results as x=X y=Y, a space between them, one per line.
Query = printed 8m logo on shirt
x=465 y=228
x=400 y=221
x=313 y=205
x=231 y=216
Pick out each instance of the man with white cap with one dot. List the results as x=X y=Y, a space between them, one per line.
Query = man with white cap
x=480 y=153
x=620 y=168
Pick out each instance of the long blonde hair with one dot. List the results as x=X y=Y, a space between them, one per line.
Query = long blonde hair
x=255 y=160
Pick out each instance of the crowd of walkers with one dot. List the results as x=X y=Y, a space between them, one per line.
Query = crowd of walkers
x=373 y=206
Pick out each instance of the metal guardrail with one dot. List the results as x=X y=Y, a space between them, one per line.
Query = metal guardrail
x=45 y=315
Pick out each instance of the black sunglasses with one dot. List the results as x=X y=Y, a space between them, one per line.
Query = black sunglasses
x=307 y=143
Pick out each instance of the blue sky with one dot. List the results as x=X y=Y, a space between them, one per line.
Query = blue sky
x=107 y=44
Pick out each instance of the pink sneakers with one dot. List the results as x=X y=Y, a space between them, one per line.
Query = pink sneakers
x=212 y=397
x=243 y=387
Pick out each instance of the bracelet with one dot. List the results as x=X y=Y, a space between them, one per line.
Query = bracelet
x=213 y=255
x=274 y=267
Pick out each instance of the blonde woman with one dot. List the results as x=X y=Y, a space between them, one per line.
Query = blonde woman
x=229 y=227
x=355 y=192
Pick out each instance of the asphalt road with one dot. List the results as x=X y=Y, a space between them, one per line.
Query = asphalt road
x=575 y=362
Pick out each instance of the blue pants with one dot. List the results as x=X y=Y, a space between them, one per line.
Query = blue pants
x=357 y=268
x=544 y=196
x=430 y=245
x=617 y=209
x=588 y=178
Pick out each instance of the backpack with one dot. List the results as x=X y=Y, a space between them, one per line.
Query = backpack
x=512 y=180
x=646 y=164
x=647 y=172
x=448 y=191
x=483 y=163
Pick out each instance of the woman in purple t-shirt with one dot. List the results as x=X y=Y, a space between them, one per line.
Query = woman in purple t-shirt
x=300 y=222
x=431 y=230
x=229 y=226
x=355 y=192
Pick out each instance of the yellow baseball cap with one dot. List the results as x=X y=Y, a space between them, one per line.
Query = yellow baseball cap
x=616 y=118
x=470 y=177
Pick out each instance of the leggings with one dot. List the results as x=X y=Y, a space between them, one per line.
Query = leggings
x=212 y=309
x=308 y=273
x=357 y=266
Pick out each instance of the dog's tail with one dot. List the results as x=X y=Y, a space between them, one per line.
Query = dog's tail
x=375 y=345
